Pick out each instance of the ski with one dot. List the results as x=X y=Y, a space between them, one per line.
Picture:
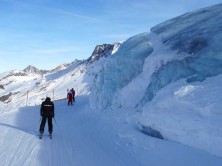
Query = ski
x=40 y=136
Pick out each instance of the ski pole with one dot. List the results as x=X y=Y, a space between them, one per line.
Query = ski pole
x=40 y=119
x=57 y=125
x=55 y=121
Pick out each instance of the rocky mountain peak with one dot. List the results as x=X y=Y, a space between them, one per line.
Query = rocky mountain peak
x=33 y=70
x=103 y=50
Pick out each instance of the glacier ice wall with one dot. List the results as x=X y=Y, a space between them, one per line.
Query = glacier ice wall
x=198 y=37
x=194 y=39
x=120 y=69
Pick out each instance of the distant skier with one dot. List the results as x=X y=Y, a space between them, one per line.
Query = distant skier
x=47 y=113
x=69 y=97
x=73 y=94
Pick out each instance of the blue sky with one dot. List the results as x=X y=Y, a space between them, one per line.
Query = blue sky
x=46 y=33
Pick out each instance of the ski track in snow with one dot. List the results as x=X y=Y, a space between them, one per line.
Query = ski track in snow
x=84 y=137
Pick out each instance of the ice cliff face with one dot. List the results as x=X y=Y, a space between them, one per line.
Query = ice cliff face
x=193 y=37
x=196 y=37
x=121 y=69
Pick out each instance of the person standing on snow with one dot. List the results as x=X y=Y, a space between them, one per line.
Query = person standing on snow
x=47 y=113
x=73 y=94
x=69 y=97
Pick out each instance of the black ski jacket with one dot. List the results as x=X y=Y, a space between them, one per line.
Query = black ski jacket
x=47 y=108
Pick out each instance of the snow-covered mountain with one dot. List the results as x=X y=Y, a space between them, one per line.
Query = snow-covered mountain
x=33 y=70
x=166 y=81
x=60 y=67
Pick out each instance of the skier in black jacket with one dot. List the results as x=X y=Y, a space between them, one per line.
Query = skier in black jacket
x=47 y=112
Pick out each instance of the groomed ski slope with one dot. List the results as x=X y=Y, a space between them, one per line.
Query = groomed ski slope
x=85 y=137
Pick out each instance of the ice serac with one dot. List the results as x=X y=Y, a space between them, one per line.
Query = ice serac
x=104 y=50
x=196 y=37
x=121 y=69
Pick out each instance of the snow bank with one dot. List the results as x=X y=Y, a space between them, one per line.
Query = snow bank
x=189 y=113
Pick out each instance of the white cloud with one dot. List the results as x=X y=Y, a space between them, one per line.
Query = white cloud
x=63 y=12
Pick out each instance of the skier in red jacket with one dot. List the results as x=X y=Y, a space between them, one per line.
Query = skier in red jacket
x=69 y=97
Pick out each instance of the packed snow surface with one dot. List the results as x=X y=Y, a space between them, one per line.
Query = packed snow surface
x=85 y=137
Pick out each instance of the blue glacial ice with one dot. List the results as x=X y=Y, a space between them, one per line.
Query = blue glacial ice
x=121 y=68
x=198 y=37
